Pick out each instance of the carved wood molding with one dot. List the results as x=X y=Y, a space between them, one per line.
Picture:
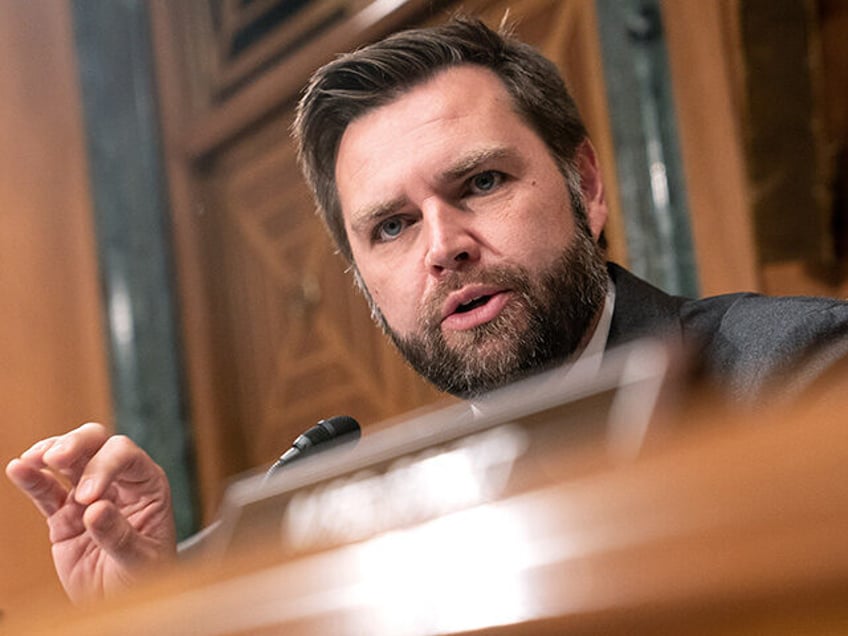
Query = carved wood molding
x=280 y=84
x=252 y=35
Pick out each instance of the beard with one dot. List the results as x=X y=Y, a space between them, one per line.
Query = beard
x=544 y=322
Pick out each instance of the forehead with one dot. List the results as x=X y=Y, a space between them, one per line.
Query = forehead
x=460 y=111
x=451 y=93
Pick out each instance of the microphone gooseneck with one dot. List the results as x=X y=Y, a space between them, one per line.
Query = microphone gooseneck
x=326 y=434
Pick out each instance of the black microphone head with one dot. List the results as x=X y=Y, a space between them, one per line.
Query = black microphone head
x=340 y=426
x=334 y=431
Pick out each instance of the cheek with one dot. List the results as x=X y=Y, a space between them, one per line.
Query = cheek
x=533 y=227
x=382 y=294
x=392 y=284
x=398 y=301
x=550 y=228
x=393 y=301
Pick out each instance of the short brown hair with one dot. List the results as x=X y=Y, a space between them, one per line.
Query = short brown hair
x=358 y=82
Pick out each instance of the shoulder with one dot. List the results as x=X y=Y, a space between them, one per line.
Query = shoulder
x=743 y=342
x=748 y=340
x=752 y=316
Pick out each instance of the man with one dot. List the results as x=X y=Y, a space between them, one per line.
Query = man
x=454 y=174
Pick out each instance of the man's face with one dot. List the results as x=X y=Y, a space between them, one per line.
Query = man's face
x=462 y=230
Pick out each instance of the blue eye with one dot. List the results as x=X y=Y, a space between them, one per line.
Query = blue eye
x=390 y=229
x=486 y=181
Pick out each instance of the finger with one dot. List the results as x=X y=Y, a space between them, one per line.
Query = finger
x=118 y=460
x=69 y=454
x=44 y=489
x=38 y=449
x=66 y=523
x=114 y=534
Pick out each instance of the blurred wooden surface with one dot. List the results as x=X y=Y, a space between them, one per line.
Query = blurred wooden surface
x=734 y=524
x=53 y=362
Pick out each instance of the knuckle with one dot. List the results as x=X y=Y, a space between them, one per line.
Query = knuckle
x=89 y=431
x=121 y=444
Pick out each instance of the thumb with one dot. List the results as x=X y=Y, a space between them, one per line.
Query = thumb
x=115 y=536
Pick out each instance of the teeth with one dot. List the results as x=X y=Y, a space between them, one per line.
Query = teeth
x=471 y=304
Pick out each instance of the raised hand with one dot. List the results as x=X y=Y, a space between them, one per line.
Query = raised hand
x=107 y=505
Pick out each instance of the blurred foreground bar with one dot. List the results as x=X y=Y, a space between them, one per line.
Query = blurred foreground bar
x=723 y=522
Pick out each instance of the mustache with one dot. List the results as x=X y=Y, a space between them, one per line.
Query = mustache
x=514 y=277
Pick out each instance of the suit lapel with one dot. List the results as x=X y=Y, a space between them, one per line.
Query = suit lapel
x=641 y=310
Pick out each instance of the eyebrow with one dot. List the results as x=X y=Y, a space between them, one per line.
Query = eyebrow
x=470 y=162
x=364 y=219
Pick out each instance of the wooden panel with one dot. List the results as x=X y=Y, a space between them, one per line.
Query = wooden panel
x=781 y=148
x=709 y=68
x=829 y=68
x=832 y=85
x=181 y=88
x=254 y=100
x=53 y=372
x=706 y=93
x=253 y=35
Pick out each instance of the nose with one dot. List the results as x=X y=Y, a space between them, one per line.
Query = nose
x=452 y=244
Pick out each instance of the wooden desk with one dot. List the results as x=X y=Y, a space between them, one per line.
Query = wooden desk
x=737 y=527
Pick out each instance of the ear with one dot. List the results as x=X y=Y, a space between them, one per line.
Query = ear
x=592 y=184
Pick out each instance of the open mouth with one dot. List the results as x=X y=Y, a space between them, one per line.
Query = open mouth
x=473 y=304
x=482 y=306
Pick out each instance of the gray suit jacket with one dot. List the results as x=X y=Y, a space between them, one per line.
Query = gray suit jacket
x=742 y=343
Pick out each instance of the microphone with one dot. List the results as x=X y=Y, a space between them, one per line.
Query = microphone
x=325 y=434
